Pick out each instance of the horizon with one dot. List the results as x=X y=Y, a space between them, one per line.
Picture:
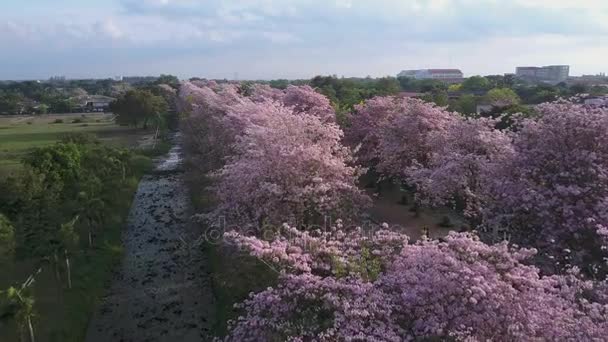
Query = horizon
x=113 y=77
x=268 y=39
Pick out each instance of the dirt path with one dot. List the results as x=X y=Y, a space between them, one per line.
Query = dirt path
x=161 y=291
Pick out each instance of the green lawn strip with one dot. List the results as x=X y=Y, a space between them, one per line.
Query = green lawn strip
x=234 y=275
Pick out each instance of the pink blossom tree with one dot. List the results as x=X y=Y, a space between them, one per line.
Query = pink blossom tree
x=405 y=138
x=364 y=132
x=462 y=159
x=304 y=99
x=206 y=138
x=285 y=165
x=357 y=285
x=553 y=192
x=393 y=134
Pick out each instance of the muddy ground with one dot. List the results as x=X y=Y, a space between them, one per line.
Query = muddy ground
x=161 y=292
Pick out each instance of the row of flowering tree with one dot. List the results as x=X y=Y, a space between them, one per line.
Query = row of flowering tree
x=274 y=156
x=356 y=285
x=541 y=183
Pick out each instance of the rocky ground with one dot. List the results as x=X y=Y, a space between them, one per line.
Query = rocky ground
x=161 y=292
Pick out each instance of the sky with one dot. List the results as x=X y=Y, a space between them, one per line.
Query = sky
x=267 y=39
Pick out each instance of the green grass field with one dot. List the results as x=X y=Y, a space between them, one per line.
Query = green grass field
x=20 y=134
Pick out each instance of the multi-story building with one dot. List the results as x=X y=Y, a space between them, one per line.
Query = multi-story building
x=445 y=75
x=545 y=74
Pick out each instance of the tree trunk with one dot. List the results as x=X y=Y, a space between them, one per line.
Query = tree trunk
x=155 y=136
x=56 y=267
x=90 y=232
x=30 y=328
x=67 y=264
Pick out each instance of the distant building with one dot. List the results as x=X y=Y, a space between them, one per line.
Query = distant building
x=93 y=103
x=546 y=74
x=57 y=79
x=133 y=80
x=444 y=75
x=589 y=80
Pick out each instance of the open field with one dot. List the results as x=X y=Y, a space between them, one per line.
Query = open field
x=18 y=134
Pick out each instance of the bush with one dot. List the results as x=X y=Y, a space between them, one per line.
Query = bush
x=445 y=222
x=58 y=121
x=79 y=138
x=29 y=122
x=141 y=164
x=78 y=120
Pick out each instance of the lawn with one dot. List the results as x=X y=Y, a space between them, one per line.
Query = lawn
x=20 y=134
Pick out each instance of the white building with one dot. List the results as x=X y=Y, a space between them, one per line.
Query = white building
x=546 y=74
x=445 y=75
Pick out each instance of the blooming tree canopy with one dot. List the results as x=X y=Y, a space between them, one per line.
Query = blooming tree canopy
x=362 y=286
x=553 y=191
x=462 y=159
x=286 y=165
x=393 y=134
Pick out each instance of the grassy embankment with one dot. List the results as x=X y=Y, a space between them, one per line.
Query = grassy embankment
x=63 y=314
x=20 y=134
x=234 y=275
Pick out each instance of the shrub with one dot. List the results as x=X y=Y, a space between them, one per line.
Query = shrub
x=446 y=222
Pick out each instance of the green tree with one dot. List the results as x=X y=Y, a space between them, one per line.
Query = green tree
x=19 y=304
x=465 y=104
x=11 y=103
x=43 y=109
x=476 y=83
x=137 y=107
x=170 y=80
x=438 y=97
x=502 y=97
x=8 y=243
x=387 y=86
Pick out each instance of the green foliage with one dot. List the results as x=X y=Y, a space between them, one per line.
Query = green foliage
x=7 y=240
x=43 y=109
x=79 y=138
x=476 y=83
x=345 y=93
x=465 y=104
x=502 y=97
x=438 y=97
x=170 y=80
x=367 y=265
x=446 y=222
x=139 y=107
x=422 y=86
x=18 y=303
x=65 y=191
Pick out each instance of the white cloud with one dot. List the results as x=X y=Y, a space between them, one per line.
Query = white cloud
x=109 y=28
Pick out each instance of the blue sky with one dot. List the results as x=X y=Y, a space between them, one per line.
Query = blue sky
x=296 y=38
